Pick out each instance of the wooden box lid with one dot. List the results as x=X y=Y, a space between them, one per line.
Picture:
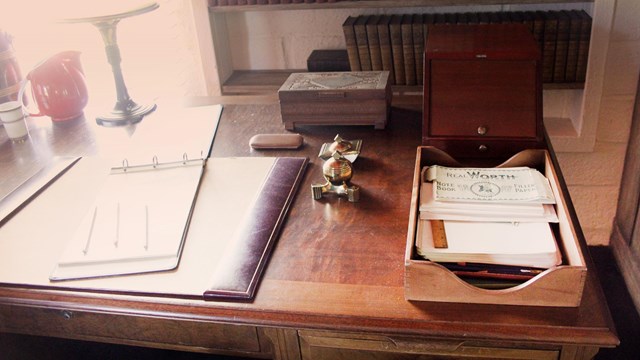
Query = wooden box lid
x=326 y=85
x=470 y=41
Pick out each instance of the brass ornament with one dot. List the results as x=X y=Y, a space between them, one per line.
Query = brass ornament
x=337 y=171
x=350 y=149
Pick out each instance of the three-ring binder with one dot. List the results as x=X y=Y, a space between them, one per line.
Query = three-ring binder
x=137 y=223
x=155 y=164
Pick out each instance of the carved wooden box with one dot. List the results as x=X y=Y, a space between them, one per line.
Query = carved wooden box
x=336 y=98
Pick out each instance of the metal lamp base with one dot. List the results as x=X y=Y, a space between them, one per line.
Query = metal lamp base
x=121 y=116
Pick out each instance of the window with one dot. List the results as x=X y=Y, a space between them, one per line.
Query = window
x=157 y=59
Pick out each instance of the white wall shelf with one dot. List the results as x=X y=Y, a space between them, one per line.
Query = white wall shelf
x=571 y=119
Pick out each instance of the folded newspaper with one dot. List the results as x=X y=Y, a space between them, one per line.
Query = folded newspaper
x=494 y=185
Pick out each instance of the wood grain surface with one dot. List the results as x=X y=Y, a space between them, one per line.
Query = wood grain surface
x=336 y=266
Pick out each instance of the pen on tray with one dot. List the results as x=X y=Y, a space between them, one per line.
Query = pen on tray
x=494 y=269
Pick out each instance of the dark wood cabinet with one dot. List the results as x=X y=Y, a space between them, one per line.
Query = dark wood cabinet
x=483 y=92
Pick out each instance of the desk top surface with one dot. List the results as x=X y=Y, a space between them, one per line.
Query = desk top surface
x=337 y=265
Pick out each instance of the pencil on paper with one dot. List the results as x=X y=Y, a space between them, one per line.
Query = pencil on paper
x=93 y=222
x=146 y=215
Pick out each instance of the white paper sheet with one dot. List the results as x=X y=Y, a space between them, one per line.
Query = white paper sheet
x=518 y=244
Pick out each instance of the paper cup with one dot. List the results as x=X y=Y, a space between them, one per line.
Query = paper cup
x=12 y=117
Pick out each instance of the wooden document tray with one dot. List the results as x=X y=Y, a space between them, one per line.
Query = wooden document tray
x=558 y=286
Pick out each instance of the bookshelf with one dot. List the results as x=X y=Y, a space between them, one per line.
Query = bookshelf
x=376 y=4
x=573 y=129
x=269 y=81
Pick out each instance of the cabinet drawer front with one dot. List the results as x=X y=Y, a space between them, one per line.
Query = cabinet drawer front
x=483 y=98
x=489 y=149
x=327 y=345
x=129 y=329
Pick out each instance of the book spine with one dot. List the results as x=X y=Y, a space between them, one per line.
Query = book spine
x=463 y=18
x=385 y=47
x=363 y=44
x=350 y=40
x=374 y=43
x=527 y=19
x=583 y=46
x=406 y=29
x=473 y=18
x=427 y=23
x=562 y=44
x=484 y=18
x=418 y=46
x=494 y=18
x=549 y=47
x=572 y=47
x=505 y=17
x=395 y=33
x=538 y=28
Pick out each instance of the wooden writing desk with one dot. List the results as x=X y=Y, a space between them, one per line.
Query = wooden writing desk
x=333 y=288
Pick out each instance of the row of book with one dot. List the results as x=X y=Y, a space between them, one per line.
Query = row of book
x=266 y=2
x=396 y=42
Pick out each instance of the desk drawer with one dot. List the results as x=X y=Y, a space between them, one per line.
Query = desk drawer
x=129 y=329
x=351 y=346
x=481 y=148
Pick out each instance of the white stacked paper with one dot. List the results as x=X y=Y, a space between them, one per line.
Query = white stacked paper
x=516 y=244
x=493 y=216
x=432 y=209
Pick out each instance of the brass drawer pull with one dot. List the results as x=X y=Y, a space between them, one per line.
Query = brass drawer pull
x=482 y=130
x=483 y=148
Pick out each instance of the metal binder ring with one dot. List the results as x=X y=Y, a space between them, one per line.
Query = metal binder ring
x=155 y=161
x=125 y=164
x=185 y=158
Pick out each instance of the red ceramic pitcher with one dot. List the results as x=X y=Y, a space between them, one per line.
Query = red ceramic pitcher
x=58 y=87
